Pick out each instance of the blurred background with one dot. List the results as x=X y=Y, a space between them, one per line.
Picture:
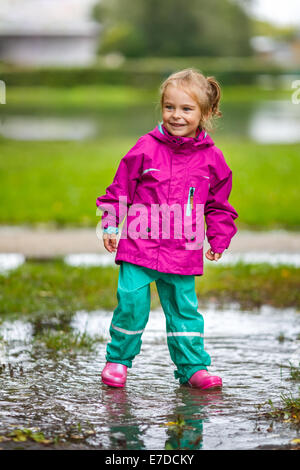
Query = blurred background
x=79 y=84
x=80 y=81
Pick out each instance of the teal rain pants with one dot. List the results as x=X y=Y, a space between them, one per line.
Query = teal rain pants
x=184 y=324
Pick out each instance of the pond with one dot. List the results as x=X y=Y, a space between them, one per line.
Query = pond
x=59 y=392
x=261 y=121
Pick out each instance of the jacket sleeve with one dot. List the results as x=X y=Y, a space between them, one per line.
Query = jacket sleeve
x=219 y=214
x=119 y=195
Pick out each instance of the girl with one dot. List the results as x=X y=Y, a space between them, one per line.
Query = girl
x=171 y=179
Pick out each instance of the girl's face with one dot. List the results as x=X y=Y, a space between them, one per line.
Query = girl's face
x=180 y=113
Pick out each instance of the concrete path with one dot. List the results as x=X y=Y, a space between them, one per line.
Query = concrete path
x=45 y=243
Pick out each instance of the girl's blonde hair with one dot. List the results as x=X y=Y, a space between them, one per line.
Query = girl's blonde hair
x=205 y=91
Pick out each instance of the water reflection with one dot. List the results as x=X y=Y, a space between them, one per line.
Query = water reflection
x=261 y=121
x=275 y=122
x=48 y=128
x=251 y=257
x=192 y=410
x=124 y=432
x=183 y=426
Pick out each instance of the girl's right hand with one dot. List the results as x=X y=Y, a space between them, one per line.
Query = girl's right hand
x=110 y=242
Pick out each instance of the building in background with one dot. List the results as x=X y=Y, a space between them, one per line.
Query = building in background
x=48 y=32
x=279 y=51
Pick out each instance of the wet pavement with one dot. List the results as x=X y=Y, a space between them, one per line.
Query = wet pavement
x=61 y=394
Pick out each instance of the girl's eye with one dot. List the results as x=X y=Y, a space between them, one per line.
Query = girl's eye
x=186 y=109
x=168 y=106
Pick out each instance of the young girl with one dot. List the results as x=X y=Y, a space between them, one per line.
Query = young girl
x=166 y=184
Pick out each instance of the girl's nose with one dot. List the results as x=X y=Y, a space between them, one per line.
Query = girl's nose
x=176 y=114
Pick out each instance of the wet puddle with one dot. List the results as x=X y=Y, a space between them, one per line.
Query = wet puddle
x=10 y=261
x=60 y=392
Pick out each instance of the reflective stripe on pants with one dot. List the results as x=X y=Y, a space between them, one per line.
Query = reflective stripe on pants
x=184 y=323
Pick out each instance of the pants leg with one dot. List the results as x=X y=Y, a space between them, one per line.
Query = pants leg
x=184 y=324
x=131 y=315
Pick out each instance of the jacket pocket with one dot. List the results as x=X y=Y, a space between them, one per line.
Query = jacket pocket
x=202 y=183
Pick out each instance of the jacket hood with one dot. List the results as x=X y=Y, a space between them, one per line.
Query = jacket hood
x=201 y=140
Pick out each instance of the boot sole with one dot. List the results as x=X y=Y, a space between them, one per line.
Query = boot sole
x=113 y=384
x=213 y=386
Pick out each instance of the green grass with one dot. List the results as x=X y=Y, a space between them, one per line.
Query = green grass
x=55 y=182
x=288 y=411
x=79 y=97
x=95 y=97
x=67 y=342
x=53 y=289
x=58 y=182
x=251 y=285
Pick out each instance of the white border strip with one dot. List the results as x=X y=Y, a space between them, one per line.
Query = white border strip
x=126 y=332
x=186 y=333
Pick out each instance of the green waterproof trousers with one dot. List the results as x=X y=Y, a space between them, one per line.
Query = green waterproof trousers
x=184 y=324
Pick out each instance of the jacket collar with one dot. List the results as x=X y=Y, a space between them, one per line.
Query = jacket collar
x=201 y=140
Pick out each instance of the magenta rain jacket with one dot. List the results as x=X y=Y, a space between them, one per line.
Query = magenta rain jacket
x=164 y=169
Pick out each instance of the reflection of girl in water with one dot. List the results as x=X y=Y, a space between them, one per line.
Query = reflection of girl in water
x=187 y=430
x=177 y=163
x=123 y=433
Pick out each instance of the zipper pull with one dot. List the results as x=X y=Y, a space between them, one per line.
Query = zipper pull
x=192 y=196
x=190 y=201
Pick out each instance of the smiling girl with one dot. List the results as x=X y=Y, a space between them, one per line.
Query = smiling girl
x=174 y=165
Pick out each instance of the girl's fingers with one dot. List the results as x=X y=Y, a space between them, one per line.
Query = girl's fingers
x=212 y=256
x=209 y=255
x=110 y=242
x=113 y=244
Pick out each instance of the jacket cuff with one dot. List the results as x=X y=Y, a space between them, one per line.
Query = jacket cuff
x=219 y=248
x=111 y=229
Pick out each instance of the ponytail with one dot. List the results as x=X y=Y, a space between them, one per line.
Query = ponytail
x=215 y=96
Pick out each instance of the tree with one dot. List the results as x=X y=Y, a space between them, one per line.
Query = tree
x=164 y=28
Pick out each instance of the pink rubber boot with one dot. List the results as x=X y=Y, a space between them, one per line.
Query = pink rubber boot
x=114 y=374
x=202 y=379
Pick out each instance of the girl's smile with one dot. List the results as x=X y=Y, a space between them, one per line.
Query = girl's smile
x=181 y=114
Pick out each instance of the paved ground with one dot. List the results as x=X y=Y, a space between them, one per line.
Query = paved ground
x=45 y=243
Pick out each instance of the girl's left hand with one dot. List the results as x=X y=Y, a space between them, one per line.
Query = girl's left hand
x=212 y=256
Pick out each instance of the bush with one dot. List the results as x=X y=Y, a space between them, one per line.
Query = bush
x=140 y=72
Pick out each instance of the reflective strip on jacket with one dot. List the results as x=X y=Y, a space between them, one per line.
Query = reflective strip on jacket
x=164 y=171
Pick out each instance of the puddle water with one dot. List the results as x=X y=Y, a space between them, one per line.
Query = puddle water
x=275 y=259
x=55 y=391
x=9 y=261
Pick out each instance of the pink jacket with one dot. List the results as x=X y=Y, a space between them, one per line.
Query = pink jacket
x=161 y=172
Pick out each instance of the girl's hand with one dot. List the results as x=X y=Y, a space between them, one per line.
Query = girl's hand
x=110 y=242
x=212 y=256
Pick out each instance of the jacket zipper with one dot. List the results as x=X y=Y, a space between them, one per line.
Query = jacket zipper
x=190 y=203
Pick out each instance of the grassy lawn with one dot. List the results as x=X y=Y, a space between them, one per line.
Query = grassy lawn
x=73 y=98
x=54 y=288
x=58 y=182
